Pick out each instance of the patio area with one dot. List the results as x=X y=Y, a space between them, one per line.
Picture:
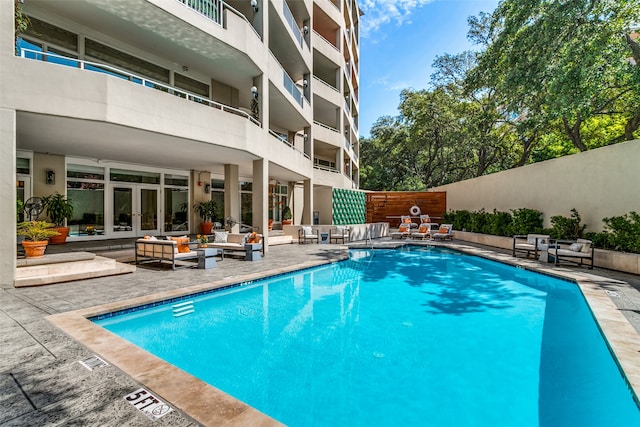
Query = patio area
x=44 y=384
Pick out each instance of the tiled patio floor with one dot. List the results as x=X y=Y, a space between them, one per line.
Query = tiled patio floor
x=43 y=384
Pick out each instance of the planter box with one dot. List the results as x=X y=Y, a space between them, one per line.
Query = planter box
x=612 y=260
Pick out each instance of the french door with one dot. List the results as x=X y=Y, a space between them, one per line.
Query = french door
x=136 y=210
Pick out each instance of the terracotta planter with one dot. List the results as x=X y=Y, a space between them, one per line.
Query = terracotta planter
x=287 y=221
x=34 y=249
x=206 y=227
x=61 y=238
x=270 y=224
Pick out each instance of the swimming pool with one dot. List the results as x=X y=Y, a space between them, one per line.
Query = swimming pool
x=415 y=337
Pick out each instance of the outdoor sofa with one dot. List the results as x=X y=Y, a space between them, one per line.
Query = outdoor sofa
x=578 y=252
x=152 y=249
x=531 y=243
x=236 y=242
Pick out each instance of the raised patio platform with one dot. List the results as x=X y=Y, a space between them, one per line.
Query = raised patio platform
x=66 y=267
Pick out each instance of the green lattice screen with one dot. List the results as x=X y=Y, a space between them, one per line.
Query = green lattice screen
x=349 y=207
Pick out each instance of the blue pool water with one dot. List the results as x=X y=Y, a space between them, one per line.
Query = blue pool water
x=418 y=337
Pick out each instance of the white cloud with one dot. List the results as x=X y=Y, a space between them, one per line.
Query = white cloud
x=389 y=84
x=380 y=12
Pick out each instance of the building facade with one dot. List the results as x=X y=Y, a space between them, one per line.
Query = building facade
x=137 y=109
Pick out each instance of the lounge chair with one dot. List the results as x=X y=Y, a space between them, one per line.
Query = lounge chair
x=581 y=250
x=404 y=230
x=424 y=231
x=340 y=233
x=444 y=232
x=425 y=219
x=306 y=233
x=533 y=244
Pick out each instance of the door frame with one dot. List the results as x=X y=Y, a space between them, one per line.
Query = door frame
x=136 y=210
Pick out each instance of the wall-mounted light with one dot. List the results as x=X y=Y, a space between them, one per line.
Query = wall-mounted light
x=305 y=136
x=207 y=188
x=254 y=92
x=185 y=68
x=254 y=5
x=346 y=131
x=51 y=177
x=305 y=83
x=305 y=29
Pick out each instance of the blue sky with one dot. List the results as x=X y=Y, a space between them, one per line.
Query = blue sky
x=399 y=40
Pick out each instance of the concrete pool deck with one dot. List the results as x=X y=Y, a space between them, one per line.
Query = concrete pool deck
x=43 y=382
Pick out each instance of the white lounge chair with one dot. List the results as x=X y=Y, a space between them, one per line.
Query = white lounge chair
x=424 y=231
x=340 y=233
x=444 y=232
x=306 y=233
x=533 y=244
x=404 y=230
x=581 y=250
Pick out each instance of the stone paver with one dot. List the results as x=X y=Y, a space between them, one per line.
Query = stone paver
x=44 y=384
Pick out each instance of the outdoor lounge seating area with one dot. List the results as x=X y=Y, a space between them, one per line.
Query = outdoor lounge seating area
x=306 y=233
x=444 y=232
x=152 y=249
x=530 y=244
x=578 y=252
x=340 y=233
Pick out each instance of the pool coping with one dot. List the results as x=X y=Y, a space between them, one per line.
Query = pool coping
x=210 y=406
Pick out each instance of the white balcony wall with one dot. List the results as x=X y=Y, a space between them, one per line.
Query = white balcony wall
x=327 y=49
x=328 y=93
x=276 y=76
x=330 y=136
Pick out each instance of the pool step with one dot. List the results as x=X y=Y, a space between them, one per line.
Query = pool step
x=183 y=309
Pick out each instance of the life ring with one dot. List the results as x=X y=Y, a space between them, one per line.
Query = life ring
x=415 y=210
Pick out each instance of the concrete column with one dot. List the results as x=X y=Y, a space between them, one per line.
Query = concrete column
x=260 y=208
x=8 y=194
x=307 y=211
x=232 y=194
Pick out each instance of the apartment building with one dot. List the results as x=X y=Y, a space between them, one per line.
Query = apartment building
x=137 y=109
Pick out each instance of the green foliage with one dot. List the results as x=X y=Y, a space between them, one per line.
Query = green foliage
x=36 y=231
x=58 y=207
x=623 y=232
x=526 y=221
x=567 y=227
x=206 y=210
x=19 y=209
x=286 y=213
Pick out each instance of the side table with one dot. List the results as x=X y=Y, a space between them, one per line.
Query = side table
x=206 y=258
x=252 y=251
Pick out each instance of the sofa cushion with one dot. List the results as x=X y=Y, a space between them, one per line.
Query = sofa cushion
x=576 y=247
x=586 y=245
x=220 y=237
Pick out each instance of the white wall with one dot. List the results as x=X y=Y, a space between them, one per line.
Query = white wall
x=599 y=183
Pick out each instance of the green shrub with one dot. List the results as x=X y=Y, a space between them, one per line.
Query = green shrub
x=624 y=232
x=567 y=227
x=478 y=221
x=499 y=223
x=526 y=221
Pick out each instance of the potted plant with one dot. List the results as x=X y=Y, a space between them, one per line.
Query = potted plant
x=207 y=212
x=35 y=235
x=59 y=208
x=286 y=216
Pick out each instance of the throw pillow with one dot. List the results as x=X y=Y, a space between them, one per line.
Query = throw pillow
x=307 y=230
x=220 y=236
x=575 y=247
x=586 y=245
x=407 y=220
x=424 y=227
x=253 y=237
x=426 y=219
x=182 y=243
x=403 y=228
x=443 y=230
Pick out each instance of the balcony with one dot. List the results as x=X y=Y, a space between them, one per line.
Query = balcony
x=211 y=9
x=96 y=67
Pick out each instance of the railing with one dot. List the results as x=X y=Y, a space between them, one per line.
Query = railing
x=283 y=138
x=325 y=168
x=288 y=83
x=292 y=23
x=133 y=78
x=328 y=42
x=211 y=9
x=326 y=84
x=326 y=126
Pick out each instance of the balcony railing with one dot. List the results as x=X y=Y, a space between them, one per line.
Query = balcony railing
x=211 y=9
x=133 y=78
x=283 y=138
x=325 y=83
x=292 y=23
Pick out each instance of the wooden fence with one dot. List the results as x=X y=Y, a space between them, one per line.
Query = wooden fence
x=388 y=206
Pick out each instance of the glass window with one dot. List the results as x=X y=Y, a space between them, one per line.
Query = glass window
x=191 y=85
x=124 y=60
x=85 y=172
x=246 y=214
x=88 y=208
x=217 y=184
x=176 y=209
x=177 y=180
x=23 y=166
x=246 y=186
x=52 y=34
x=123 y=175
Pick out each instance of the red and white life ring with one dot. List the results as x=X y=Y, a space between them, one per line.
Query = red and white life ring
x=415 y=210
